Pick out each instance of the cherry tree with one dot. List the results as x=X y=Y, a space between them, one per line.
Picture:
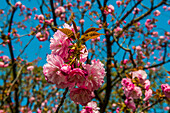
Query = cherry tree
x=84 y=56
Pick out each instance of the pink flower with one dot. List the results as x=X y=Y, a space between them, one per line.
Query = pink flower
x=52 y=71
x=119 y=3
x=30 y=68
x=147 y=84
x=167 y=108
x=76 y=75
x=157 y=13
x=110 y=8
x=87 y=3
x=31 y=99
x=125 y=61
x=60 y=43
x=81 y=95
x=166 y=90
x=41 y=18
x=154 y=34
x=169 y=22
x=81 y=21
x=91 y=108
x=127 y=83
x=95 y=75
x=42 y=36
x=2 y=64
x=148 y=94
x=135 y=93
x=83 y=54
x=140 y=74
x=138 y=48
x=59 y=10
x=130 y=103
x=5 y=58
x=66 y=68
x=18 y=4
x=136 y=10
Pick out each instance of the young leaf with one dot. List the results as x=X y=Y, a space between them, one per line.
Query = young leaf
x=68 y=32
x=75 y=27
x=90 y=35
x=92 y=29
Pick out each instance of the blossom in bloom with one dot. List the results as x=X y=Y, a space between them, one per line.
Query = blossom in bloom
x=140 y=74
x=130 y=103
x=76 y=75
x=91 y=108
x=127 y=83
x=41 y=18
x=135 y=93
x=147 y=84
x=157 y=13
x=81 y=95
x=59 y=10
x=30 y=68
x=148 y=94
x=95 y=75
x=5 y=58
x=166 y=89
x=59 y=44
x=83 y=54
x=52 y=71
x=66 y=68
x=110 y=8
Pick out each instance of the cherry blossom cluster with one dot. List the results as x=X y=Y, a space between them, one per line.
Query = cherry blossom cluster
x=4 y=61
x=133 y=90
x=66 y=68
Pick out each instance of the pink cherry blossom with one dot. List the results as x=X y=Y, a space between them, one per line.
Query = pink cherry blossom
x=135 y=93
x=127 y=83
x=138 y=48
x=83 y=54
x=87 y=3
x=95 y=75
x=2 y=64
x=18 y=4
x=148 y=94
x=76 y=75
x=5 y=58
x=110 y=8
x=119 y=3
x=30 y=68
x=140 y=74
x=91 y=108
x=81 y=95
x=136 y=10
x=52 y=71
x=60 y=43
x=81 y=21
x=66 y=68
x=166 y=90
x=147 y=84
x=130 y=103
x=157 y=13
